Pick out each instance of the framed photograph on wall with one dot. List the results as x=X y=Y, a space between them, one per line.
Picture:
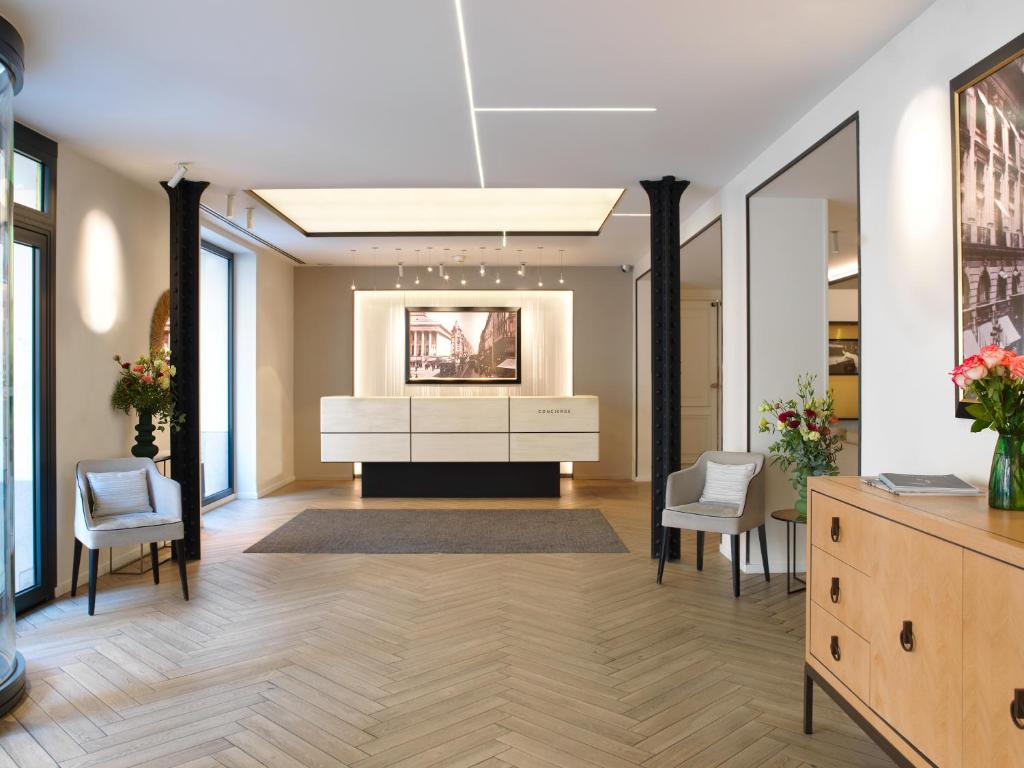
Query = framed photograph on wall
x=988 y=197
x=462 y=345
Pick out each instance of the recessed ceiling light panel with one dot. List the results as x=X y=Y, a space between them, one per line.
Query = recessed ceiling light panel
x=434 y=211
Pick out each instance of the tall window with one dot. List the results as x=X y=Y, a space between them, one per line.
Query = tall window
x=32 y=367
x=215 y=368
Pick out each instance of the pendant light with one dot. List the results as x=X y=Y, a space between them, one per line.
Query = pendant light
x=353 y=252
x=561 y=266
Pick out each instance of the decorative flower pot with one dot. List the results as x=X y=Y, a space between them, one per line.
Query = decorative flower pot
x=1006 y=481
x=800 y=505
x=145 y=444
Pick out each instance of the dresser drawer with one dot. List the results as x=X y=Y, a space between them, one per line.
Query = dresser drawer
x=846 y=532
x=846 y=654
x=841 y=590
x=993 y=661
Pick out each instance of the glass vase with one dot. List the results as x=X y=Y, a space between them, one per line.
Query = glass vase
x=1006 y=480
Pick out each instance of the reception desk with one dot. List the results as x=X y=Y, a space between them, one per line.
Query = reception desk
x=459 y=446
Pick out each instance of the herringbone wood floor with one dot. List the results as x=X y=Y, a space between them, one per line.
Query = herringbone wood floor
x=424 y=660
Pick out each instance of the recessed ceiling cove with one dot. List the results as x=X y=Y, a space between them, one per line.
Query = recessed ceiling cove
x=437 y=211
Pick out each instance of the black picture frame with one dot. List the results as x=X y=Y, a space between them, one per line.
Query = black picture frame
x=463 y=380
x=980 y=248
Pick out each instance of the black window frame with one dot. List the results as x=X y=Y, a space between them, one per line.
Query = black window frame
x=230 y=258
x=38 y=229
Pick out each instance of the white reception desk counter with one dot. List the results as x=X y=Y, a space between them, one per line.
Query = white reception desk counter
x=459 y=429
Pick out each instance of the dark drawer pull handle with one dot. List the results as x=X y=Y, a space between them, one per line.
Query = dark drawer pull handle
x=907 y=636
x=1017 y=708
x=835 y=529
x=833 y=648
x=834 y=592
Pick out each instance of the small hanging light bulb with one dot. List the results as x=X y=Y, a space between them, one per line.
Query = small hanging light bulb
x=561 y=267
x=353 y=252
x=482 y=270
x=497 y=280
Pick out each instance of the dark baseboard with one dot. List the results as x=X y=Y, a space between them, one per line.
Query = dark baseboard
x=461 y=480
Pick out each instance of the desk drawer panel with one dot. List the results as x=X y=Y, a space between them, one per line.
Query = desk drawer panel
x=475 y=446
x=554 y=446
x=376 y=447
x=846 y=654
x=841 y=590
x=846 y=532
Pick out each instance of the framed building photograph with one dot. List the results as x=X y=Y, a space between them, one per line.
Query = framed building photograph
x=462 y=345
x=987 y=103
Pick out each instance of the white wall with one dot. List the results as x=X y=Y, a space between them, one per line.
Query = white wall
x=112 y=266
x=902 y=96
x=788 y=331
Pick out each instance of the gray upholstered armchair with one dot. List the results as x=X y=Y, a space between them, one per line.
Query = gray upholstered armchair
x=161 y=523
x=684 y=510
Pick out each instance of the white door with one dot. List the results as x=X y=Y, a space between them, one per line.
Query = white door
x=700 y=385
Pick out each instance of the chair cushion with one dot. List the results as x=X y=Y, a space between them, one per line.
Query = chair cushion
x=131 y=520
x=726 y=483
x=715 y=518
x=119 y=493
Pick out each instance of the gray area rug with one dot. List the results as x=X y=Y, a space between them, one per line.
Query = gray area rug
x=456 y=531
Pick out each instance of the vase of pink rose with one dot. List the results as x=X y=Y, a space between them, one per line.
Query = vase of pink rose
x=994 y=380
x=147 y=387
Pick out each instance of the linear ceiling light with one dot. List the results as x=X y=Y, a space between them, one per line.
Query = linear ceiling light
x=636 y=215
x=338 y=212
x=565 y=109
x=469 y=89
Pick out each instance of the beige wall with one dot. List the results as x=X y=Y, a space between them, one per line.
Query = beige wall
x=602 y=344
x=112 y=246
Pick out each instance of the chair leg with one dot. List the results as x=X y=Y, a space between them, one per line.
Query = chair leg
x=179 y=551
x=762 y=534
x=94 y=566
x=75 y=562
x=155 y=559
x=700 y=550
x=665 y=536
x=736 y=565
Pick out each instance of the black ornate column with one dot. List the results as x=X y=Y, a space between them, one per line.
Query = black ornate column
x=666 y=450
x=184 y=205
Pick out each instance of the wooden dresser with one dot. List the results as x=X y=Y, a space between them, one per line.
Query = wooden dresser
x=915 y=622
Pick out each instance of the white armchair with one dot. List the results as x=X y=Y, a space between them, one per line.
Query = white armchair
x=98 y=532
x=684 y=510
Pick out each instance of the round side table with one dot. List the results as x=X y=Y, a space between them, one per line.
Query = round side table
x=790 y=518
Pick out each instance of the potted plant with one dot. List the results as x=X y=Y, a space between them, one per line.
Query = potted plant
x=147 y=386
x=994 y=378
x=807 y=442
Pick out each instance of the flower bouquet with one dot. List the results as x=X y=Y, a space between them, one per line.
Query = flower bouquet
x=994 y=380
x=807 y=442
x=147 y=386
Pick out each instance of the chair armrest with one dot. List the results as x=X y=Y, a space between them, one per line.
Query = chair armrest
x=752 y=508
x=166 y=496
x=684 y=487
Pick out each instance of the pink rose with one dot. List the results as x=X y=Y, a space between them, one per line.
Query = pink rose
x=973 y=368
x=138 y=369
x=146 y=379
x=1017 y=368
x=993 y=356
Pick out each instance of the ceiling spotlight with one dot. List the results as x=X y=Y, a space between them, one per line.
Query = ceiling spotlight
x=401 y=269
x=440 y=271
x=497 y=280
x=835 y=240
x=540 y=283
x=179 y=174
x=229 y=209
x=482 y=270
x=561 y=267
x=417 y=280
x=522 y=269
x=353 y=286
x=249 y=217
x=429 y=268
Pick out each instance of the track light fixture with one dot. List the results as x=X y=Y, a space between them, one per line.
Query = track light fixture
x=179 y=174
x=561 y=267
x=249 y=216
x=440 y=271
x=229 y=209
x=483 y=271
x=353 y=252
x=522 y=269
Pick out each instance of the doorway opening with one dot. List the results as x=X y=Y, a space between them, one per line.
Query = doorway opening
x=803 y=303
x=700 y=341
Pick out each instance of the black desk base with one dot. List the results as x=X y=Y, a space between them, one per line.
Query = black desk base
x=461 y=480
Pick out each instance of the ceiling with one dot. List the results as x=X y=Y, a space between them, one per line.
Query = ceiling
x=829 y=172
x=700 y=259
x=338 y=93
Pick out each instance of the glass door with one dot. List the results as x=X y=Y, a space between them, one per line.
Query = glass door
x=215 y=368
x=32 y=526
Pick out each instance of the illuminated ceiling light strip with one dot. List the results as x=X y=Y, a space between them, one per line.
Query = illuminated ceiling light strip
x=565 y=109
x=639 y=215
x=469 y=90
x=841 y=273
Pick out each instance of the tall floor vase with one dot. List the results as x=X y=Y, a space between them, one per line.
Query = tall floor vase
x=145 y=443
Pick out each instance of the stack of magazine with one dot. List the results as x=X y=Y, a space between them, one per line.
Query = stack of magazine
x=922 y=485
